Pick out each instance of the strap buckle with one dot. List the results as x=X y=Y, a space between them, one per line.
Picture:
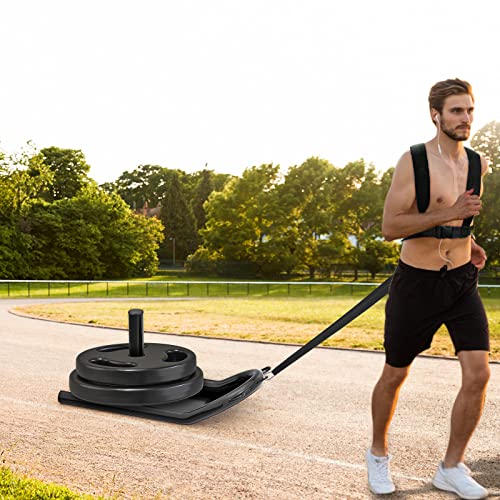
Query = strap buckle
x=268 y=373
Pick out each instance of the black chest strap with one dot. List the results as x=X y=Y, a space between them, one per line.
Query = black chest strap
x=423 y=191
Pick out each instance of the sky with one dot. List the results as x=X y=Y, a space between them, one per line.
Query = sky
x=236 y=83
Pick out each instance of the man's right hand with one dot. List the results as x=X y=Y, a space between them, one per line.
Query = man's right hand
x=467 y=205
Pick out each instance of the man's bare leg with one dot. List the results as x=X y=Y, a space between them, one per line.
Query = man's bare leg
x=468 y=404
x=384 y=400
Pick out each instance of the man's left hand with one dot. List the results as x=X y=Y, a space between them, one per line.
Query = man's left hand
x=478 y=255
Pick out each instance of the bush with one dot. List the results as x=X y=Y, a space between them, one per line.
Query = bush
x=203 y=262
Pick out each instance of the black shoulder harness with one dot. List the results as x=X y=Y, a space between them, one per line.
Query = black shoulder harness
x=423 y=192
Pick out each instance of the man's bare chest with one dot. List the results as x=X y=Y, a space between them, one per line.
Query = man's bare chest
x=447 y=183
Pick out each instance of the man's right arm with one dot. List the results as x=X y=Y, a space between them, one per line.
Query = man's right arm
x=400 y=221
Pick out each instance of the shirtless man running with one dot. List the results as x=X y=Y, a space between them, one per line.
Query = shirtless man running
x=435 y=283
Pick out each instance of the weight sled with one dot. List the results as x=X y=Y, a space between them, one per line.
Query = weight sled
x=215 y=397
x=110 y=368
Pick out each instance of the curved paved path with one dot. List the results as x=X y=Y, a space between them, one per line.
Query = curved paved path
x=301 y=436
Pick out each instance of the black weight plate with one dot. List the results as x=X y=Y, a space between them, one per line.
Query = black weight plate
x=112 y=365
x=136 y=396
x=215 y=397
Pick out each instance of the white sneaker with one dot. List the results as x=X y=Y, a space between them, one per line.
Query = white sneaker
x=458 y=480
x=379 y=475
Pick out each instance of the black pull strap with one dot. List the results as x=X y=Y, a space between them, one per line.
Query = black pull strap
x=473 y=177
x=422 y=179
x=371 y=299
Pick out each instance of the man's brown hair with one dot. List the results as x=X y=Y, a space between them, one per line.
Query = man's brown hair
x=441 y=90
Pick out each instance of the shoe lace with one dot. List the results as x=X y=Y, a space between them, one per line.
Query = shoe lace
x=381 y=470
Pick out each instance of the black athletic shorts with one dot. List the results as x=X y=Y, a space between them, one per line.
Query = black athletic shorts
x=420 y=301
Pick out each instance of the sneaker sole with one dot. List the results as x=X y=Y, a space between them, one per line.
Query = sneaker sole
x=446 y=487
x=381 y=492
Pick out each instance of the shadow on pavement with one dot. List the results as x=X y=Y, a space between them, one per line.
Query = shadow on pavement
x=486 y=471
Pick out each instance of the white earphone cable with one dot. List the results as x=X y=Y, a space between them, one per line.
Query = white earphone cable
x=441 y=255
x=439 y=135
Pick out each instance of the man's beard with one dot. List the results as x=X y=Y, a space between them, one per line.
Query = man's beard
x=456 y=135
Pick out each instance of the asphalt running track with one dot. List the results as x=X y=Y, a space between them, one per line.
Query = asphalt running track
x=301 y=436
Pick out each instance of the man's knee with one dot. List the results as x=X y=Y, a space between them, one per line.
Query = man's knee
x=393 y=377
x=475 y=370
x=476 y=380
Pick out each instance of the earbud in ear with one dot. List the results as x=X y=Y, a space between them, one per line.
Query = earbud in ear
x=437 y=119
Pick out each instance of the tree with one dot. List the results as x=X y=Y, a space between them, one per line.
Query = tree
x=93 y=235
x=241 y=223
x=145 y=184
x=203 y=189
x=362 y=207
x=487 y=226
x=14 y=247
x=178 y=219
x=127 y=241
x=23 y=177
x=70 y=171
x=310 y=197
x=487 y=142
x=66 y=243
x=270 y=226
x=89 y=235
x=377 y=255
x=333 y=253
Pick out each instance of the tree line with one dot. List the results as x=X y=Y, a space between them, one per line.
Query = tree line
x=314 y=218
x=56 y=222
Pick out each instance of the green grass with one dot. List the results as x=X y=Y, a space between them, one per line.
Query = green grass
x=178 y=286
x=293 y=320
x=178 y=273
x=189 y=289
x=14 y=486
